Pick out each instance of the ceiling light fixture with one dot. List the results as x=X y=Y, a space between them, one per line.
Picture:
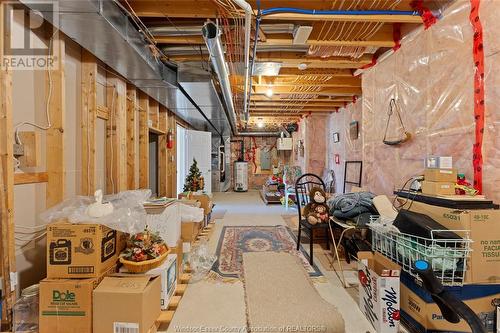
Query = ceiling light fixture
x=302 y=66
x=260 y=123
x=269 y=92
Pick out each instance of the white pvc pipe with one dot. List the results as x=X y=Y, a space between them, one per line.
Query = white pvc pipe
x=248 y=27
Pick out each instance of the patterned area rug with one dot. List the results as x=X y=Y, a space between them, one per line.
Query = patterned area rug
x=234 y=241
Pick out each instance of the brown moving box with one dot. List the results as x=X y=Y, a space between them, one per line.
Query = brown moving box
x=422 y=314
x=483 y=265
x=189 y=230
x=438 y=188
x=126 y=303
x=204 y=199
x=66 y=304
x=441 y=175
x=81 y=250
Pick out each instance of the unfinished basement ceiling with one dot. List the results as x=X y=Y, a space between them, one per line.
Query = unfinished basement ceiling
x=313 y=77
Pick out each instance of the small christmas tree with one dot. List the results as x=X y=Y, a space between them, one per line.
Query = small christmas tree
x=194 y=181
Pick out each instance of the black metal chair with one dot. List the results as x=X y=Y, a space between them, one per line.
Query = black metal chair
x=302 y=187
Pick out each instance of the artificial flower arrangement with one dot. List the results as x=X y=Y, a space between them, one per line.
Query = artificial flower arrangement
x=145 y=250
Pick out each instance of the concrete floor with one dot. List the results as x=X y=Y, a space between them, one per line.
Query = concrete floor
x=208 y=304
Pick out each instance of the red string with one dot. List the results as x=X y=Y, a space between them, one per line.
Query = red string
x=478 y=55
x=427 y=17
x=396 y=36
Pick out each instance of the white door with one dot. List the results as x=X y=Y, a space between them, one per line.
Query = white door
x=199 y=147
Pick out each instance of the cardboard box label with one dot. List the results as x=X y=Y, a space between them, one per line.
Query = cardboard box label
x=125 y=327
x=81 y=250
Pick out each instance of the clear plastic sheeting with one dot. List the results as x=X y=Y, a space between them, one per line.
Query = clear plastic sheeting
x=128 y=215
x=431 y=78
x=201 y=260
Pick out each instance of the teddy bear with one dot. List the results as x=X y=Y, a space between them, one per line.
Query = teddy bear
x=316 y=211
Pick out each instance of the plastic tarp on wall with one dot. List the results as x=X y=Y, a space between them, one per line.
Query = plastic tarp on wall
x=347 y=148
x=431 y=76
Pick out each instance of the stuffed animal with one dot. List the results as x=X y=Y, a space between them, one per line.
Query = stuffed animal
x=316 y=211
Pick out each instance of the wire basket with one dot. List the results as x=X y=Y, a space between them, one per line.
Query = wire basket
x=448 y=257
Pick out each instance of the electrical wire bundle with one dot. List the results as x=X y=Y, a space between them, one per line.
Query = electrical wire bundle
x=332 y=30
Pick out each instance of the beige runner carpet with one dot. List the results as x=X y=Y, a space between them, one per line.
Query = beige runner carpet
x=280 y=296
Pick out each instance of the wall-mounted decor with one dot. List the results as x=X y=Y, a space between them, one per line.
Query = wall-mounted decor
x=336 y=137
x=353 y=130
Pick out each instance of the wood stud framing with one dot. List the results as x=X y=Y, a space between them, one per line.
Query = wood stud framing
x=143 y=140
x=6 y=184
x=88 y=122
x=132 y=113
x=55 y=135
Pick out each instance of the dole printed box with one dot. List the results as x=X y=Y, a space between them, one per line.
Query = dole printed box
x=379 y=291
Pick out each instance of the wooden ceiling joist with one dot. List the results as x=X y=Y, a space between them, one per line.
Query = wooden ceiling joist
x=323 y=91
x=345 y=18
x=333 y=82
x=292 y=109
x=277 y=98
x=315 y=72
x=297 y=103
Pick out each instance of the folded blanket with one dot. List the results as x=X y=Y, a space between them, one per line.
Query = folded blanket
x=349 y=205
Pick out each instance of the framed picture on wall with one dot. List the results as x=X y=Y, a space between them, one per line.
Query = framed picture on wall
x=354 y=130
x=336 y=137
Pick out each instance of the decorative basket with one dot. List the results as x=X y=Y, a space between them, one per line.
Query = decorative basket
x=146 y=265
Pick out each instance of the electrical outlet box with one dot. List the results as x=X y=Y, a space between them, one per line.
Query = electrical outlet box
x=31 y=149
x=18 y=150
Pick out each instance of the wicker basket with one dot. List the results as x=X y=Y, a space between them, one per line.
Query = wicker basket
x=144 y=266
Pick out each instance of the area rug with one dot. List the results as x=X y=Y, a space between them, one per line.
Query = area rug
x=280 y=297
x=235 y=241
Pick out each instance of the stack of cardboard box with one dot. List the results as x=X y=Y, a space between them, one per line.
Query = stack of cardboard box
x=439 y=176
x=82 y=292
x=482 y=275
x=78 y=258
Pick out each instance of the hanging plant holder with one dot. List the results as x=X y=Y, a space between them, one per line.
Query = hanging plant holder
x=394 y=108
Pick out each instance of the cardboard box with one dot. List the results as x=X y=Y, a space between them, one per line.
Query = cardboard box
x=379 y=291
x=126 y=302
x=483 y=265
x=204 y=199
x=189 y=230
x=81 y=250
x=178 y=251
x=65 y=305
x=168 y=276
x=419 y=312
x=438 y=188
x=440 y=175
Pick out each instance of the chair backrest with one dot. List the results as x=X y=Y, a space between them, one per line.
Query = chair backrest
x=302 y=187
